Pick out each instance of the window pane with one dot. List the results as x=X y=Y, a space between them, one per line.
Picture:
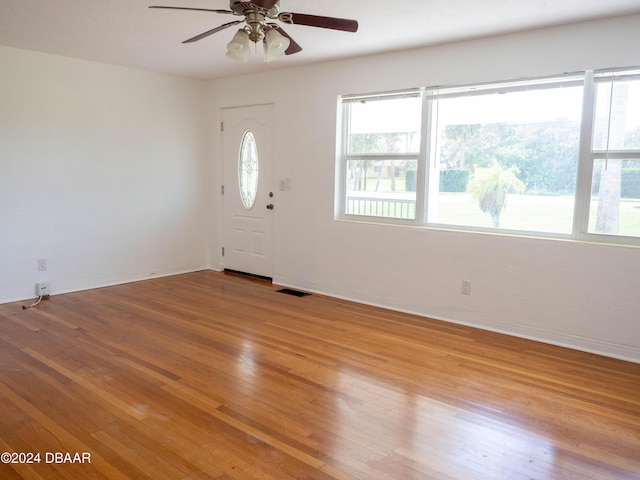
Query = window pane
x=385 y=126
x=617 y=122
x=381 y=188
x=615 y=198
x=507 y=160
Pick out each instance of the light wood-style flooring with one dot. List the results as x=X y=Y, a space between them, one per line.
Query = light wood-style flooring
x=213 y=376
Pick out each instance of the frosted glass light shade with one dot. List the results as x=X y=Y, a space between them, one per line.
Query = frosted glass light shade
x=275 y=44
x=239 y=48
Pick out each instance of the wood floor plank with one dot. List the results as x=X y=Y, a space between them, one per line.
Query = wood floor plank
x=211 y=376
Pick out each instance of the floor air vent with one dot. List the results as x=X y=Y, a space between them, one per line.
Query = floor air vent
x=295 y=293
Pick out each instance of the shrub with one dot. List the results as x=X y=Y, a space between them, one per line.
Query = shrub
x=630 y=183
x=454 y=180
x=410 y=177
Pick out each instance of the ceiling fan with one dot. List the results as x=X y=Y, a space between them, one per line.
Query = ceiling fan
x=257 y=15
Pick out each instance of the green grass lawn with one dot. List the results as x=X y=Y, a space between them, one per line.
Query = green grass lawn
x=629 y=218
x=518 y=215
x=523 y=212
x=538 y=214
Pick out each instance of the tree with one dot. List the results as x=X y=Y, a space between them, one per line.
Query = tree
x=470 y=145
x=363 y=143
x=377 y=143
x=492 y=188
x=546 y=154
x=391 y=141
x=608 y=213
x=458 y=140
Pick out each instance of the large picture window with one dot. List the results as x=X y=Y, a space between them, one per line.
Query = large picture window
x=554 y=156
x=506 y=157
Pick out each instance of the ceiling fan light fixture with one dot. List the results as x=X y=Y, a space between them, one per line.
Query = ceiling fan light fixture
x=275 y=45
x=239 y=48
x=259 y=17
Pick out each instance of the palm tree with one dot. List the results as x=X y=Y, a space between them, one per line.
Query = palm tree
x=491 y=189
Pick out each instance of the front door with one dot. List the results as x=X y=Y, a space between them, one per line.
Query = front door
x=249 y=201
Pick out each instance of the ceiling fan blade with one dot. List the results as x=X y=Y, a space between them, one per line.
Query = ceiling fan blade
x=318 y=21
x=293 y=46
x=187 y=8
x=267 y=4
x=211 y=32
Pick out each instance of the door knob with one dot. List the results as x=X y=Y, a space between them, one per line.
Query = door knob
x=270 y=206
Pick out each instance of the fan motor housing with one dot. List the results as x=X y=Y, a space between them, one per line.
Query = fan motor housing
x=240 y=7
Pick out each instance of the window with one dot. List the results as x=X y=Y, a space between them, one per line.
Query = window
x=614 y=207
x=554 y=156
x=506 y=157
x=381 y=155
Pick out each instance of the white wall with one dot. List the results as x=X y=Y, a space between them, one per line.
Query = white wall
x=582 y=295
x=103 y=172
x=112 y=175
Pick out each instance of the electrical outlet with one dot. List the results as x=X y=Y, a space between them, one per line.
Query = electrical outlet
x=42 y=264
x=466 y=287
x=43 y=289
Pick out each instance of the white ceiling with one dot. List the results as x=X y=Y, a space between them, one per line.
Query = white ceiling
x=127 y=33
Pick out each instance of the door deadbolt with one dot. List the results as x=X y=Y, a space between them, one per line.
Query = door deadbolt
x=270 y=206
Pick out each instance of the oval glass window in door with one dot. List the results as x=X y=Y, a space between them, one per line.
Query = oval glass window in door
x=248 y=169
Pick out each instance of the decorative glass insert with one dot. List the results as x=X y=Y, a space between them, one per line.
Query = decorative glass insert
x=248 y=169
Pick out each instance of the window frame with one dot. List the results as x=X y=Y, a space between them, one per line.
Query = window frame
x=587 y=157
x=345 y=157
x=424 y=180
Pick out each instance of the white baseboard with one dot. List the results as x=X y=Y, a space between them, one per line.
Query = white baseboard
x=627 y=353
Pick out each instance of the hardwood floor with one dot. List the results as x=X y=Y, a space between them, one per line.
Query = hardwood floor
x=207 y=375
